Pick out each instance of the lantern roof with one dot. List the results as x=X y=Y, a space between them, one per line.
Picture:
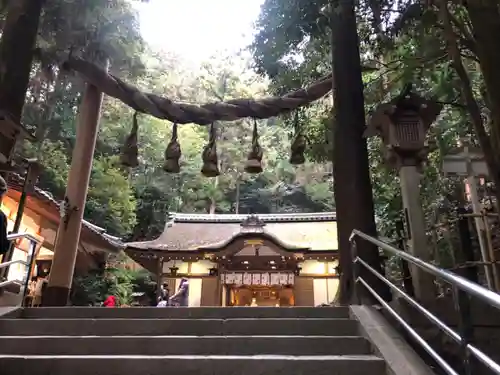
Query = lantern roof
x=386 y=113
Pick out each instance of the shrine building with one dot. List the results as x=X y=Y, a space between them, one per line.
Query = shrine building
x=246 y=260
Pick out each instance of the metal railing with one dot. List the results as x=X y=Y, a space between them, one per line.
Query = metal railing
x=463 y=289
x=29 y=263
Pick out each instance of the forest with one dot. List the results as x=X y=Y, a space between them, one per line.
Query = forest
x=134 y=203
x=446 y=50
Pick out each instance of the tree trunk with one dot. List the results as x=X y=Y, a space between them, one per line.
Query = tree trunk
x=485 y=21
x=16 y=53
x=237 y=206
x=352 y=184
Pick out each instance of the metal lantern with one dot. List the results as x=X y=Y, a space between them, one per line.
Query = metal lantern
x=210 y=166
x=173 y=153
x=130 y=151
x=173 y=270
x=403 y=124
x=254 y=160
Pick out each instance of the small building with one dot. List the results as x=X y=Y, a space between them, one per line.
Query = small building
x=41 y=219
x=246 y=260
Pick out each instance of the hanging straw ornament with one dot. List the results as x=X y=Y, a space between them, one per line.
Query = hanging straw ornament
x=254 y=159
x=299 y=144
x=173 y=154
x=130 y=152
x=210 y=166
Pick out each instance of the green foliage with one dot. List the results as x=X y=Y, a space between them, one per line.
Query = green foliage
x=110 y=198
x=134 y=203
x=116 y=280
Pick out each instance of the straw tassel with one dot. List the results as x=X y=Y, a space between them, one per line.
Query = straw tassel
x=173 y=153
x=254 y=159
x=130 y=151
x=210 y=166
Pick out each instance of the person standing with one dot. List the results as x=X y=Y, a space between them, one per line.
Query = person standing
x=163 y=302
x=110 y=302
x=181 y=297
x=4 y=242
x=164 y=292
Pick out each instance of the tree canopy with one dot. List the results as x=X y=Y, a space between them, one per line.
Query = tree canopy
x=134 y=203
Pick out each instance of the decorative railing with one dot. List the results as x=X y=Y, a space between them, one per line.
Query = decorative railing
x=24 y=285
x=462 y=288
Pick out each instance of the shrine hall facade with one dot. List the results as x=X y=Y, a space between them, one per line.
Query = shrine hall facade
x=246 y=260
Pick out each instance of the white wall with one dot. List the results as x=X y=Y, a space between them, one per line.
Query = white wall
x=325 y=290
x=315 y=267
x=201 y=267
x=194 y=292
x=18 y=271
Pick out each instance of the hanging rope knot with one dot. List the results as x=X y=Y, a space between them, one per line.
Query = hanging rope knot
x=130 y=150
x=210 y=166
x=254 y=159
x=173 y=153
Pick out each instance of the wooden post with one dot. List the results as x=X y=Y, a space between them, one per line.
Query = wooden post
x=467 y=251
x=159 y=274
x=68 y=233
x=423 y=283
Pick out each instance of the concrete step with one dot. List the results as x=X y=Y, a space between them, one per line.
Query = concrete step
x=188 y=327
x=191 y=365
x=184 y=345
x=183 y=313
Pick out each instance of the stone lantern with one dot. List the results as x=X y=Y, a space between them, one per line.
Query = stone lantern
x=403 y=124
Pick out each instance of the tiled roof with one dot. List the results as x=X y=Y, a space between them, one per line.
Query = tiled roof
x=184 y=232
x=16 y=181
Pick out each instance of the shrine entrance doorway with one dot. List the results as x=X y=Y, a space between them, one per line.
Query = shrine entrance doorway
x=261 y=296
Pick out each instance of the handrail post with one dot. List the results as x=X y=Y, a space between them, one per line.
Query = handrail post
x=405 y=268
x=354 y=285
x=467 y=251
x=461 y=303
x=31 y=261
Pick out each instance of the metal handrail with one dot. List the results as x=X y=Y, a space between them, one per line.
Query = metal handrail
x=460 y=282
x=10 y=282
x=28 y=236
x=461 y=287
x=11 y=262
x=29 y=265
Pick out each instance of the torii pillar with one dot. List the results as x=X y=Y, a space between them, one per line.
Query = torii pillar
x=73 y=206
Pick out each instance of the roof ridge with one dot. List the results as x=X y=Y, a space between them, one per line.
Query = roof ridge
x=237 y=218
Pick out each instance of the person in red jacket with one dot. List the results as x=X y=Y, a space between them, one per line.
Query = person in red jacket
x=110 y=302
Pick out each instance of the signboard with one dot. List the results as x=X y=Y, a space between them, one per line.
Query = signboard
x=258 y=278
x=275 y=279
x=265 y=280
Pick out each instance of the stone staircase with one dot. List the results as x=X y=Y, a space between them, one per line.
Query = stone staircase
x=185 y=341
